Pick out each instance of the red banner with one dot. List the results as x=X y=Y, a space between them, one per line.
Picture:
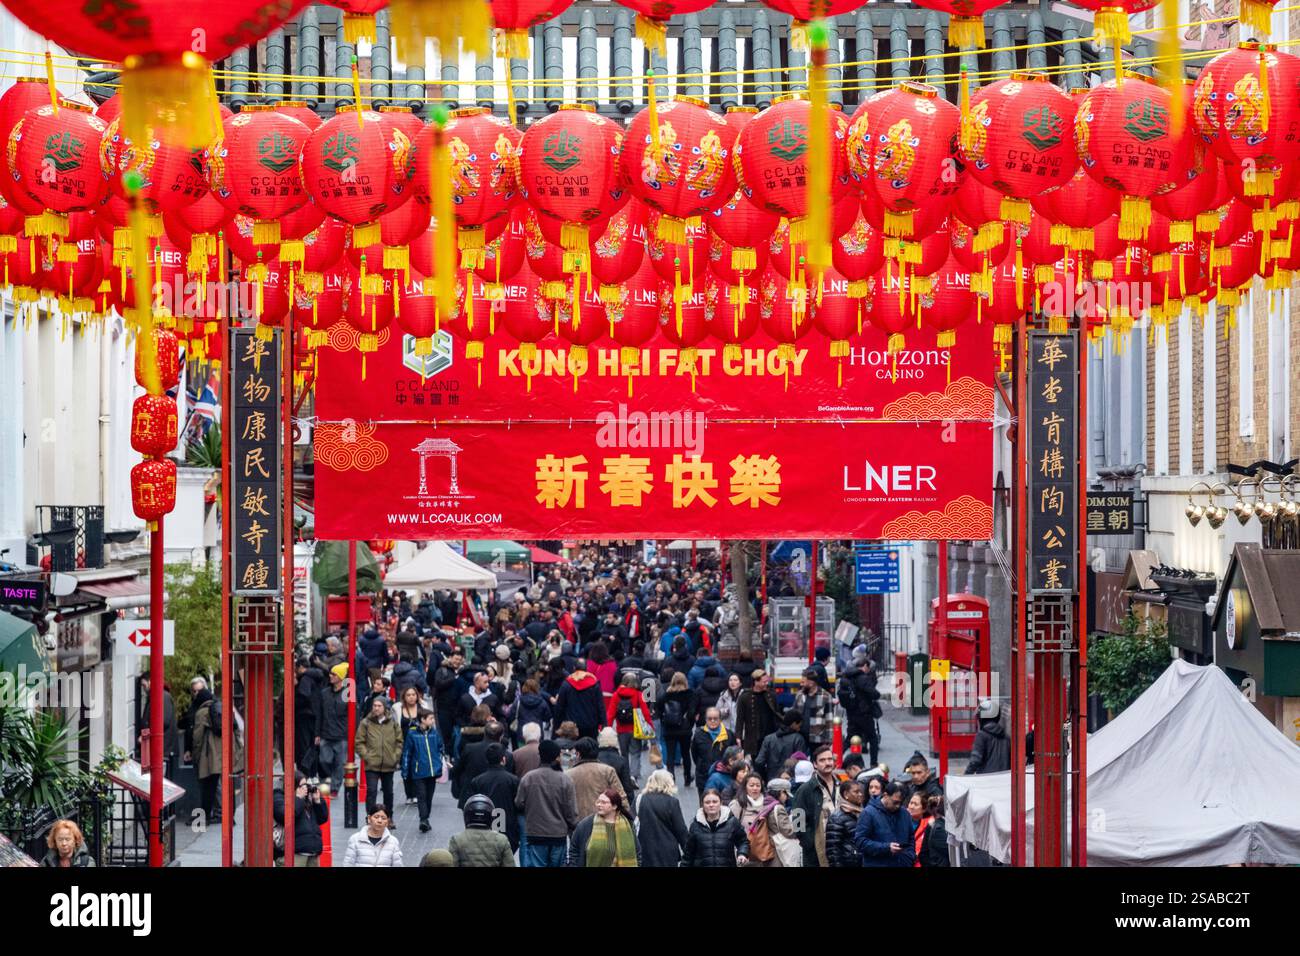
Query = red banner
x=671 y=477
x=922 y=382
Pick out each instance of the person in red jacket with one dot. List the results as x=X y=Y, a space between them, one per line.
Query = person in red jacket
x=623 y=703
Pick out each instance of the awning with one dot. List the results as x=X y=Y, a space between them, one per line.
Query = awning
x=508 y=551
x=20 y=645
x=542 y=556
x=682 y=544
x=122 y=592
x=438 y=567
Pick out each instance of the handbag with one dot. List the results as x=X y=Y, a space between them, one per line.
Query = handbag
x=642 y=729
x=656 y=758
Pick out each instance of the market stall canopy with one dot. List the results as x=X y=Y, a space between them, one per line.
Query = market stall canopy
x=20 y=644
x=439 y=567
x=684 y=544
x=542 y=556
x=500 y=550
x=330 y=569
x=1221 y=778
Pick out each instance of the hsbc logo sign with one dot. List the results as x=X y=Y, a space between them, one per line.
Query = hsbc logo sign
x=136 y=637
x=889 y=479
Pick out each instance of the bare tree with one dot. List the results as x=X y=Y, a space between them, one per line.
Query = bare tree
x=740 y=578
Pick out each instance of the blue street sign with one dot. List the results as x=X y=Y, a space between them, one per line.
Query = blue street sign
x=876 y=572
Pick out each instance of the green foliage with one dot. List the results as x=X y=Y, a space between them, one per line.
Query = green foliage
x=40 y=761
x=1122 y=666
x=194 y=603
x=206 y=452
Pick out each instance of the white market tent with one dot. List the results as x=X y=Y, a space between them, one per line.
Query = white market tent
x=439 y=567
x=1191 y=774
x=702 y=544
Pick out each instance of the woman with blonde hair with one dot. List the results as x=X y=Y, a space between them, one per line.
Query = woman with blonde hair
x=67 y=847
x=661 y=827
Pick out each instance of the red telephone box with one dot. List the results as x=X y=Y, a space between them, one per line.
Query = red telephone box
x=969 y=654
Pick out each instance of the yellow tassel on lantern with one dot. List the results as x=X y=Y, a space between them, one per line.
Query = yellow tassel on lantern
x=397 y=258
x=1015 y=210
x=988 y=236
x=169 y=98
x=1181 y=231
x=896 y=224
x=358 y=27
x=896 y=343
x=818 y=188
x=1134 y=218
x=966 y=33
x=742 y=259
x=653 y=33
x=1260 y=184
x=1206 y=221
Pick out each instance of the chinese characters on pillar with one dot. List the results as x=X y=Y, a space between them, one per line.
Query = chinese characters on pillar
x=627 y=481
x=1053 y=462
x=255 y=499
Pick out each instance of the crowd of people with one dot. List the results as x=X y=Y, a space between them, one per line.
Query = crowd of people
x=563 y=721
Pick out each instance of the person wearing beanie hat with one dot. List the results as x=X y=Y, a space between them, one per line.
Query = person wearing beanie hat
x=438 y=858
x=330 y=715
x=548 y=804
x=803 y=771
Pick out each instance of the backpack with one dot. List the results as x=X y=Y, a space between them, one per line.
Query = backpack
x=623 y=713
x=760 y=841
x=674 y=716
x=848 y=696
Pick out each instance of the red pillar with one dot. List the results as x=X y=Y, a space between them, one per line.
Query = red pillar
x=350 y=769
x=939 y=651
x=156 y=680
x=812 y=603
x=259 y=768
x=287 y=742
x=1079 y=670
x=1020 y=600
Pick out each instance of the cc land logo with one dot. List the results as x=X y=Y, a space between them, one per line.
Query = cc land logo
x=63 y=151
x=561 y=151
x=788 y=141
x=277 y=152
x=439 y=360
x=340 y=151
x=1042 y=128
x=1145 y=121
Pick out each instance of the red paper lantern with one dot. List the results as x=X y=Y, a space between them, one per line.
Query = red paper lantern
x=356 y=167
x=27 y=93
x=526 y=316
x=154 y=425
x=722 y=259
x=318 y=307
x=78 y=278
x=1191 y=201
x=484 y=153
x=733 y=317
x=398 y=229
x=634 y=319
x=837 y=315
x=253 y=168
x=1075 y=208
x=417 y=315
x=581 y=329
x=905 y=141
x=685 y=325
x=56 y=163
x=170 y=177
x=965 y=19
x=858 y=254
x=1125 y=141
x=1238 y=265
x=652 y=18
x=299 y=110
x=772 y=162
x=891 y=308
x=1018 y=139
x=569 y=169
x=737 y=118
x=1243 y=119
x=504 y=255
x=368 y=306
x=153 y=489
x=687 y=171
x=783 y=312
x=167 y=350
x=683 y=265
x=947 y=303
x=618 y=253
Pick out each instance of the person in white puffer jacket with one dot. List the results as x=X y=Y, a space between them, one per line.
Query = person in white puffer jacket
x=374 y=845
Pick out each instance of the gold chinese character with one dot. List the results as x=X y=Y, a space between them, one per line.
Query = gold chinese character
x=558 y=480
x=691 y=480
x=255 y=350
x=1096 y=521
x=253 y=459
x=1053 y=423
x=1054 y=537
x=626 y=480
x=1052 y=354
x=256 y=389
x=1052 y=573
x=256 y=575
x=1052 y=390
x=254 y=502
x=254 y=427
x=254 y=535
x=1053 y=499
x=1119 y=520
x=1052 y=465
x=755 y=479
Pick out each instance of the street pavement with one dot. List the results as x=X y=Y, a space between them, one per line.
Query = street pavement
x=901 y=734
